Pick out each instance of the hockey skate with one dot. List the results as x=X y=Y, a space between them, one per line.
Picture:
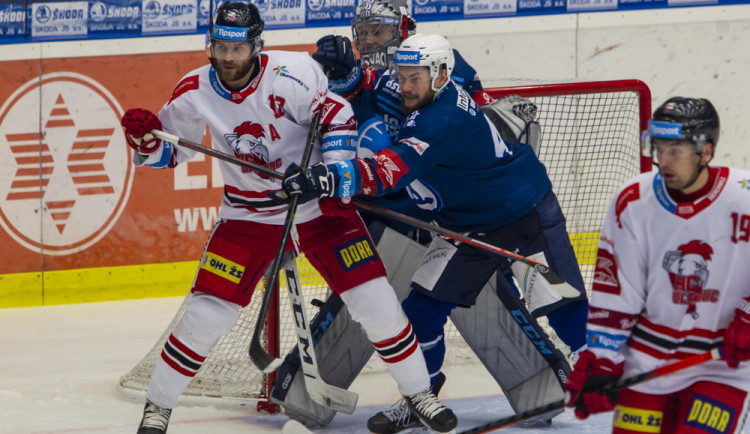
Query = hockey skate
x=433 y=414
x=155 y=419
x=399 y=417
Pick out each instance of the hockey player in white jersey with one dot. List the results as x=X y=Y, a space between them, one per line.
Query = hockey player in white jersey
x=671 y=281
x=260 y=107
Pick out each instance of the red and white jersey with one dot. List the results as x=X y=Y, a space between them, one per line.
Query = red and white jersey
x=266 y=123
x=669 y=277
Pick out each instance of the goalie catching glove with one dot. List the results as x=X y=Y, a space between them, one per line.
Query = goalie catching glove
x=138 y=123
x=585 y=389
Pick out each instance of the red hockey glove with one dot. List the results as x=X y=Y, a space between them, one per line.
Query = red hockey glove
x=138 y=124
x=736 y=345
x=584 y=387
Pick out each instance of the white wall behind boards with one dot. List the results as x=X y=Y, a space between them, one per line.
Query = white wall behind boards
x=700 y=52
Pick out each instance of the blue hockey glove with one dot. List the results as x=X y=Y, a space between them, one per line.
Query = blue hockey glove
x=336 y=55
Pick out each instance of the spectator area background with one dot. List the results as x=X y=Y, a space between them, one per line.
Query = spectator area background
x=139 y=233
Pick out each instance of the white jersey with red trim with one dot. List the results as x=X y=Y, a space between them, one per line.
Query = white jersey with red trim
x=669 y=277
x=266 y=123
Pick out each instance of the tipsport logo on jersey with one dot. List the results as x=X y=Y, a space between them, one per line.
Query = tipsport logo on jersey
x=62 y=188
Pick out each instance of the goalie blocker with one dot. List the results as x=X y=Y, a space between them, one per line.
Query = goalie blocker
x=515 y=350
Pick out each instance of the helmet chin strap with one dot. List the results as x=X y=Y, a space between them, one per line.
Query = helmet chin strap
x=695 y=177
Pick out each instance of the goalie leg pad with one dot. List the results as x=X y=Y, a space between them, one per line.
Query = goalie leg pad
x=513 y=347
x=343 y=348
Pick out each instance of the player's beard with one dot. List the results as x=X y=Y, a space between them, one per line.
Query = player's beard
x=423 y=102
x=241 y=69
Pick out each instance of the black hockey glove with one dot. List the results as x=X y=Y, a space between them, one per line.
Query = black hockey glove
x=309 y=184
x=336 y=55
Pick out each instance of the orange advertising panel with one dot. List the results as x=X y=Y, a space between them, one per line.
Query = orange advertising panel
x=70 y=197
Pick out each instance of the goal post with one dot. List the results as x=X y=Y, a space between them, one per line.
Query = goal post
x=591 y=144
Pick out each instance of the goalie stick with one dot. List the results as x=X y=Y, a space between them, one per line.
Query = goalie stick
x=321 y=392
x=679 y=365
x=563 y=287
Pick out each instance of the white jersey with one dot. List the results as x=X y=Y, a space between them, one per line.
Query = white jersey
x=669 y=277
x=266 y=123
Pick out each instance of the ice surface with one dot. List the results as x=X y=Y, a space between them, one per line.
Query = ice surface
x=60 y=367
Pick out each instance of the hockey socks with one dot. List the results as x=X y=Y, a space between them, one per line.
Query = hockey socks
x=428 y=318
x=404 y=361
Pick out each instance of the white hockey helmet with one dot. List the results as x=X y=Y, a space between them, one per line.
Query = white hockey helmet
x=430 y=50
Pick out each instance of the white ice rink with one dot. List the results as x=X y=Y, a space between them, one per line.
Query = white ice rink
x=60 y=367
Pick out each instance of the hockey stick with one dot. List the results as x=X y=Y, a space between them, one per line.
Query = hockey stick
x=264 y=361
x=216 y=154
x=553 y=278
x=321 y=392
x=679 y=365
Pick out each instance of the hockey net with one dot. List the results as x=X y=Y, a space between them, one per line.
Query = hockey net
x=591 y=136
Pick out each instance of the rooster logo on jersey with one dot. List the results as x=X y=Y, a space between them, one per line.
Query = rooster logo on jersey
x=247 y=142
x=688 y=273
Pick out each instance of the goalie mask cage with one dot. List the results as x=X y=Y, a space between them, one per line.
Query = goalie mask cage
x=591 y=144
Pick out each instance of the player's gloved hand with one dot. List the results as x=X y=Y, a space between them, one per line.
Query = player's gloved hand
x=584 y=389
x=373 y=137
x=311 y=183
x=138 y=124
x=336 y=55
x=736 y=347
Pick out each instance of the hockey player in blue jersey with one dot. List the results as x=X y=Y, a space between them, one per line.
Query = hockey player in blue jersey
x=456 y=166
x=379 y=26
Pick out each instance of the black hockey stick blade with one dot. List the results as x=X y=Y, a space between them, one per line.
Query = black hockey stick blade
x=679 y=365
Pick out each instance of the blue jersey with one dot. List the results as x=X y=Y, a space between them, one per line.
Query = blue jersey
x=451 y=160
